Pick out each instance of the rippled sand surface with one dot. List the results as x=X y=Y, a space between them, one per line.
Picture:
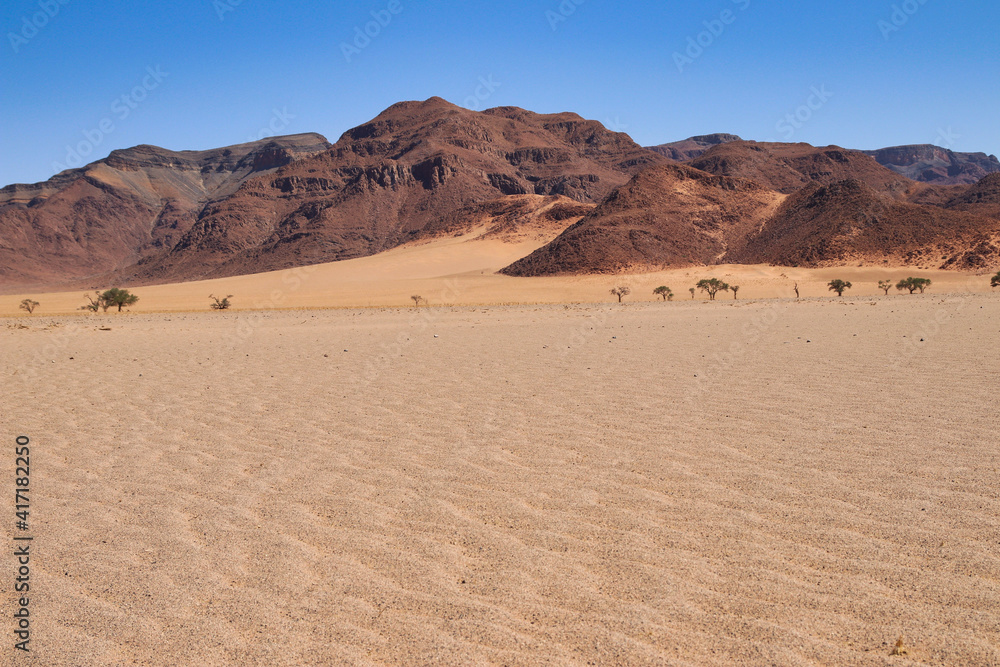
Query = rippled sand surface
x=687 y=483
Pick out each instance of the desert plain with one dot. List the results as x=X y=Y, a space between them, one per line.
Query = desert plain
x=521 y=472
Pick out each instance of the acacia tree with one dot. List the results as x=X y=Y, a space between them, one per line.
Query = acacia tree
x=97 y=302
x=119 y=297
x=712 y=286
x=913 y=284
x=885 y=286
x=692 y=292
x=620 y=291
x=28 y=305
x=995 y=280
x=735 y=289
x=416 y=300
x=220 y=304
x=838 y=286
x=664 y=292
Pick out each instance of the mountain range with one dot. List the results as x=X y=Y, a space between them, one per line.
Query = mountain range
x=422 y=169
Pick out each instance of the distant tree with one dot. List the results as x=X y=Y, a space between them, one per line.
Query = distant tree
x=28 y=305
x=665 y=292
x=796 y=288
x=712 y=286
x=417 y=299
x=620 y=291
x=838 y=286
x=995 y=280
x=119 y=297
x=735 y=289
x=692 y=292
x=220 y=304
x=97 y=302
x=913 y=284
x=885 y=286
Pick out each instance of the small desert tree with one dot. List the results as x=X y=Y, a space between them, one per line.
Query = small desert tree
x=838 y=286
x=620 y=291
x=796 y=288
x=664 y=292
x=28 y=305
x=96 y=302
x=417 y=299
x=119 y=297
x=220 y=304
x=692 y=292
x=712 y=286
x=735 y=289
x=885 y=286
x=913 y=284
x=995 y=280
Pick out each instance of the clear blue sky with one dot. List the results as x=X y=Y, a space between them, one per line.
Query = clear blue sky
x=929 y=74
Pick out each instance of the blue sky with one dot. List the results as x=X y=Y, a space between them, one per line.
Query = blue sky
x=89 y=77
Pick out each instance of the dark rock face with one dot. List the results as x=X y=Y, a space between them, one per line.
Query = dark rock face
x=933 y=164
x=689 y=149
x=149 y=215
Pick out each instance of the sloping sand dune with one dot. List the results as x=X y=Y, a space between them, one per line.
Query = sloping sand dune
x=461 y=270
x=687 y=483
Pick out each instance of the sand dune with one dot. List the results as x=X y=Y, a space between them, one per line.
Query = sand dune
x=462 y=271
x=774 y=482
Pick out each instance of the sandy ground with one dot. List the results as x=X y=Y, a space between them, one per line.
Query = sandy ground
x=690 y=483
x=462 y=271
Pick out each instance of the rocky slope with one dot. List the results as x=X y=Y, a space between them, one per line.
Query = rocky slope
x=671 y=215
x=933 y=164
x=692 y=147
x=134 y=204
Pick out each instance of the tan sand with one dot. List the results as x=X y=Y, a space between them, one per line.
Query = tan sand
x=462 y=271
x=752 y=483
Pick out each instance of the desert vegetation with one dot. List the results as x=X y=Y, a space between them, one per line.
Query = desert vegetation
x=837 y=285
x=995 y=280
x=112 y=297
x=417 y=299
x=220 y=304
x=29 y=305
x=664 y=292
x=913 y=284
x=885 y=286
x=620 y=291
x=734 y=289
x=712 y=286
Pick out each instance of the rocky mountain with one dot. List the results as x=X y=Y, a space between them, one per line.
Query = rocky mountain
x=134 y=204
x=848 y=222
x=670 y=215
x=933 y=164
x=689 y=149
x=788 y=167
x=423 y=169
x=233 y=211
x=683 y=216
